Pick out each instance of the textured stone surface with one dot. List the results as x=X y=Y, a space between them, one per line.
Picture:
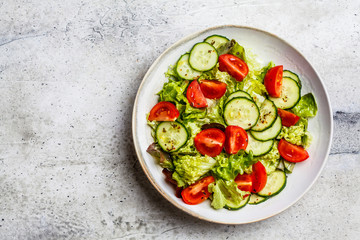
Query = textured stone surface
x=69 y=72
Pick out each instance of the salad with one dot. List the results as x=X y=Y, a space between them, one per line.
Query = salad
x=226 y=128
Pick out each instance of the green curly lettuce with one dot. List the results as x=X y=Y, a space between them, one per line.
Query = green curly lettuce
x=306 y=107
x=229 y=166
x=188 y=169
x=297 y=134
x=260 y=75
x=225 y=192
x=255 y=88
x=271 y=159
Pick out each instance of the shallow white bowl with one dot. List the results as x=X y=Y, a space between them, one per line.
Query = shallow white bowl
x=267 y=47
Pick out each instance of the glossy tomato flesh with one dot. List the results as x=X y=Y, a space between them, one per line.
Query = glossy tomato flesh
x=234 y=66
x=194 y=95
x=273 y=81
x=210 y=142
x=164 y=111
x=236 y=139
x=213 y=89
x=288 y=119
x=197 y=192
x=244 y=182
x=291 y=152
x=259 y=177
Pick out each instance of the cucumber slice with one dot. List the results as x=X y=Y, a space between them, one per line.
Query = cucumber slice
x=290 y=74
x=241 y=112
x=239 y=94
x=256 y=199
x=216 y=40
x=269 y=133
x=268 y=114
x=290 y=94
x=171 y=136
x=258 y=147
x=276 y=182
x=236 y=206
x=289 y=166
x=184 y=70
x=203 y=57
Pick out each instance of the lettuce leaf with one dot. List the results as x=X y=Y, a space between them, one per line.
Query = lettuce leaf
x=261 y=74
x=306 y=139
x=163 y=158
x=171 y=73
x=297 y=134
x=229 y=166
x=255 y=88
x=215 y=111
x=238 y=51
x=225 y=192
x=271 y=159
x=188 y=169
x=306 y=107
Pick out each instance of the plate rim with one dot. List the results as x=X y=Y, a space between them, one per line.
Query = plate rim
x=137 y=145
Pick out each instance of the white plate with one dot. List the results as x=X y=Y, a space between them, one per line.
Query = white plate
x=267 y=47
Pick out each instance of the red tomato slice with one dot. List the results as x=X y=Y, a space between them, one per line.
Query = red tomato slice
x=210 y=141
x=259 y=177
x=236 y=139
x=197 y=192
x=213 y=89
x=234 y=66
x=194 y=95
x=273 y=81
x=291 y=152
x=288 y=119
x=244 y=182
x=164 y=111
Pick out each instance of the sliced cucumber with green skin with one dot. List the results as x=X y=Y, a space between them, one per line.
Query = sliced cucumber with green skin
x=171 y=136
x=269 y=133
x=289 y=166
x=241 y=112
x=203 y=57
x=238 y=94
x=216 y=40
x=275 y=183
x=290 y=74
x=236 y=206
x=256 y=199
x=290 y=94
x=184 y=70
x=268 y=114
x=258 y=147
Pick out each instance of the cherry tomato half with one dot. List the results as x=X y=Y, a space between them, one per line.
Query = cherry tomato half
x=164 y=111
x=197 y=192
x=288 y=119
x=213 y=89
x=236 y=139
x=273 y=81
x=194 y=95
x=234 y=66
x=259 y=177
x=244 y=182
x=291 y=152
x=210 y=141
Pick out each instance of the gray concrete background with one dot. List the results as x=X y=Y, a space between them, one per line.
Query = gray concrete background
x=69 y=72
